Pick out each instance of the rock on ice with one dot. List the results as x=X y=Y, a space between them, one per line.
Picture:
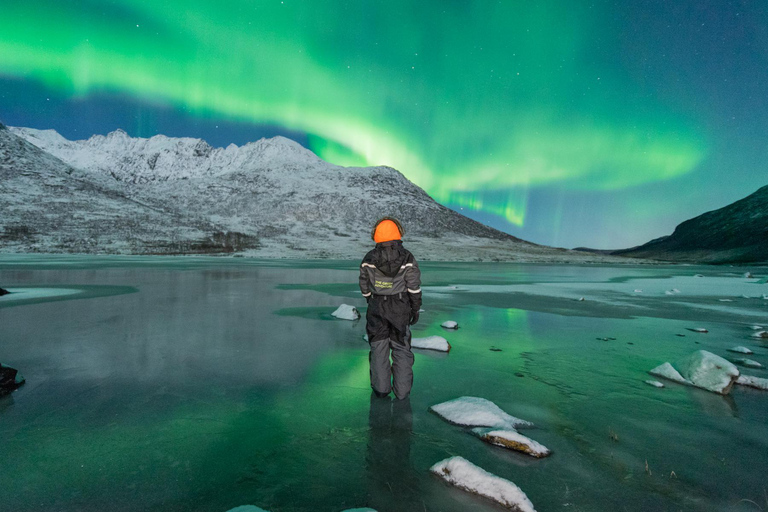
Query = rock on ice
x=463 y=474
x=513 y=440
x=740 y=350
x=470 y=411
x=753 y=382
x=708 y=371
x=655 y=383
x=761 y=334
x=346 y=312
x=431 y=343
x=450 y=324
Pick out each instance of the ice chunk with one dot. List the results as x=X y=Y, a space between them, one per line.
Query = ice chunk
x=346 y=312
x=655 y=383
x=667 y=371
x=740 y=350
x=463 y=474
x=431 y=343
x=753 y=382
x=513 y=440
x=450 y=324
x=246 y=508
x=708 y=371
x=470 y=411
x=748 y=362
x=761 y=334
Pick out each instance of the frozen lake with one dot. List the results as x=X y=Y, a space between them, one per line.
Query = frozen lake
x=162 y=384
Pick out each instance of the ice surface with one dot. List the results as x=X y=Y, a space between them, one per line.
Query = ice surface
x=359 y=510
x=753 y=382
x=470 y=411
x=740 y=350
x=346 y=312
x=450 y=324
x=667 y=371
x=513 y=440
x=431 y=343
x=465 y=475
x=708 y=371
x=247 y=508
x=654 y=383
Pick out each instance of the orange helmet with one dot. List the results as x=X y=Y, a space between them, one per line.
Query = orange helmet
x=386 y=230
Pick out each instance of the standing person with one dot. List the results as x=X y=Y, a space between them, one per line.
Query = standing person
x=390 y=280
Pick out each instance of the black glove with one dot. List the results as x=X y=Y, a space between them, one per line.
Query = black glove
x=414 y=317
x=368 y=299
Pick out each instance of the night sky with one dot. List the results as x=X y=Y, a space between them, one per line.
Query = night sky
x=599 y=124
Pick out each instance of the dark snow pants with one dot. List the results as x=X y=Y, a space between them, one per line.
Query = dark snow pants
x=388 y=330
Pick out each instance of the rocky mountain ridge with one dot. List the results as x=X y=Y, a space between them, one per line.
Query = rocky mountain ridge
x=270 y=198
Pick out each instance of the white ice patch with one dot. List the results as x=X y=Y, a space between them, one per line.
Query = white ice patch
x=346 y=312
x=513 y=440
x=470 y=411
x=708 y=371
x=450 y=324
x=667 y=371
x=654 y=383
x=756 y=328
x=749 y=363
x=36 y=293
x=740 y=350
x=431 y=343
x=753 y=382
x=760 y=334
x=465 y=475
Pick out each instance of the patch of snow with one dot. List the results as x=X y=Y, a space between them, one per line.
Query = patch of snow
x=753 y=382
x=667 y=371
x=638 y=291
x=513 y=440
x=36 y=293
x=654 y=383
x=708 y=371
x=463 y=474
x=431 y=343
x=346 y=312
x=756 y=328
x=470 y=411
x=450 y=324
x=740 y=350
x=748 y=363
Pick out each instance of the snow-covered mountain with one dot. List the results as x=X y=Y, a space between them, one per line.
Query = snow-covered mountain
x=270 y=198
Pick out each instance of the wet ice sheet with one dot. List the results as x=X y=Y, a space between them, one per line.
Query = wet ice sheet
x=193 y=394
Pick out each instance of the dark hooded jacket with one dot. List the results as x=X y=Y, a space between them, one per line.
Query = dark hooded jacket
x=390 y=269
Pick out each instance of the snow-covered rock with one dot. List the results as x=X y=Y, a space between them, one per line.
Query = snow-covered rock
x=748 y=363
x=740 y=350
x=761 y=334
x=465 y=475
x=667 y=371
x=431 y=343
x=346 y=312
x=470 y=411
x=753 y=382
x=450 y=324
x=655 y=383
x=511 y=439
x=708 y=371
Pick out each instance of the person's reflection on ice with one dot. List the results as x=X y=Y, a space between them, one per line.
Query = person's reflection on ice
x=392 y=484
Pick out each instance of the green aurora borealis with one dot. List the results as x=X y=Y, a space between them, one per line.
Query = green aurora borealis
x=489 y=106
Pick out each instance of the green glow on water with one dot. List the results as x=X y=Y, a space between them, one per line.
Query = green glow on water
x=463 y=98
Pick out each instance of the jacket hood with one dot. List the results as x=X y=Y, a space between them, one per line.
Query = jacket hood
x=389 y=257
